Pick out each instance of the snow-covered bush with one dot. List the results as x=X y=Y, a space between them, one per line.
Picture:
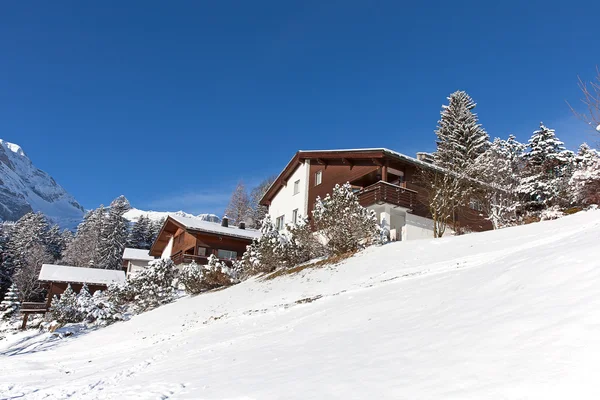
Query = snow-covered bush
x=303 y=245
x=10 y=305
x=345 y=224
x=266 y=253
x=553 y=212
x=585 y=182
x=101 y=310
x=153 y=286
x=120 y=294
x=65 y=309
x=198 y=278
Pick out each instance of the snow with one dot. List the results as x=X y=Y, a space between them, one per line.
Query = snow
x=24 y=188
x=598 y=128
x=508 y=314
x=134 y=214
x=63 y=273
x=137 y=254
x=212 y=227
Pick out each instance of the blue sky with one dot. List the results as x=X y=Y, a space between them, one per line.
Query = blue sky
x=172 y=103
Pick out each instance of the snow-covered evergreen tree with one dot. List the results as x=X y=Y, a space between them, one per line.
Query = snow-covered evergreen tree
x=155 y=227
x=154 y=285
x=141 y=233
x=102 y=310
x=500 y=167
x=11 y=303
x=27 y=250
x=460 y=137
x=82 y=251
x=114 y=235
x=265 y=254
x=65 y=309
x=584 y=185
x=303 y=245
x=238 y=208
x=198 y=278
x=343 y=222
x=547 y=170
x=5 y=257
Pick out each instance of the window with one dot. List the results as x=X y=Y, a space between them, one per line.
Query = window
x=295 y=216
x=202 y=251
x=475 y=205
x=279 y=223
x=297 y=187
x=226 y=254
x=318 y=178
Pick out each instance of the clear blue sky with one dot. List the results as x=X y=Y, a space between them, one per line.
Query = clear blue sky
x=172 y=102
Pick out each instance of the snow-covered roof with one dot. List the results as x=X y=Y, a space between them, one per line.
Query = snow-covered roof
x=137 y=254
x=212 y=227
x=63 y=273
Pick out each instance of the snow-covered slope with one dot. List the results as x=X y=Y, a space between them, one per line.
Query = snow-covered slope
x=134 y=214
x=25 y=188
x=510 y=314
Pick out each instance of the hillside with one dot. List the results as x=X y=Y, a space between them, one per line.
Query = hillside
x=510 y=314
x=25 y=188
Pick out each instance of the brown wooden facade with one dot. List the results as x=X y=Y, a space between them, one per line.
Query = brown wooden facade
x=194 y=245
x=378 y=175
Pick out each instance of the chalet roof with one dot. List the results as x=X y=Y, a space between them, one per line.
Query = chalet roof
x=197 y=224
x=349 y=154
x=63 y=273
x=137 y=254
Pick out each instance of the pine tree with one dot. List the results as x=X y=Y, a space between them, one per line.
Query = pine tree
x=5 y=257
x=500 y=167
x=10 y=305
x=239 y=206
x=65 y=308
x=155 y=227
x=584 y=185
x=343 y=222
x=547 y=170
x=460 y=136
x=82 y=251
x=153 y=286
x=140 y=233
x=114 y=236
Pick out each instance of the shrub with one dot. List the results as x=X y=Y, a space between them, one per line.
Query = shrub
x=65 y=309
x=11 y=304
x=199 y=278
x=343 y=222
x=153 y=286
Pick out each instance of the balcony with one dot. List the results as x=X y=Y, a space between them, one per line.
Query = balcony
x=182 y=258
x=387 y=193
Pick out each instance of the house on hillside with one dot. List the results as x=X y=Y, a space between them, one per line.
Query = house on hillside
x=384 y=181
x=135 y=260
x=56 y=279
x=187 y=239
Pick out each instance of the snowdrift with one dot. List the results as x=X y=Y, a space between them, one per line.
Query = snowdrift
x=510 y=314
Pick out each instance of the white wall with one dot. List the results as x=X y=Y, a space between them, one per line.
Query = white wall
x=420 y=228
x=135 y=266
x=167 y=251
x=285 y=201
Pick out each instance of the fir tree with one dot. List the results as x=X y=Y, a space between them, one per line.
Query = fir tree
x=65 y=308
x=140 y=233
x=584 y=185
x=460 y=136
x=343 y=222
x=547 y=170
x=82 y=251
x=238 y=208
x=153 y=286
x=10 y=305
x=114 y=236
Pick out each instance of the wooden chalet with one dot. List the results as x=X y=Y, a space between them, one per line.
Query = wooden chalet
x=187 y=239
x=384 y=180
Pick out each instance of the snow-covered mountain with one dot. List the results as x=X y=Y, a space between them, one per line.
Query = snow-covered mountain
x=134 y=214
x=507 y=314
x=25 y=188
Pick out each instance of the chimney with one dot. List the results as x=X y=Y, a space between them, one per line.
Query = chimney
x=242 y=225
x=425 y=157
x=225 y=221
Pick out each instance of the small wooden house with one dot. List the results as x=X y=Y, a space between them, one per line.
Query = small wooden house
x=56 y=278
x=136 y=260
x=187 y=239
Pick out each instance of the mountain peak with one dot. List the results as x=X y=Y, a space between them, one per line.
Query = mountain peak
x=25 y=188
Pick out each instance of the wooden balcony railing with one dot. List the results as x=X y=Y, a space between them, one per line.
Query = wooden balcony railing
x=181 y=258
x=386 y=193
